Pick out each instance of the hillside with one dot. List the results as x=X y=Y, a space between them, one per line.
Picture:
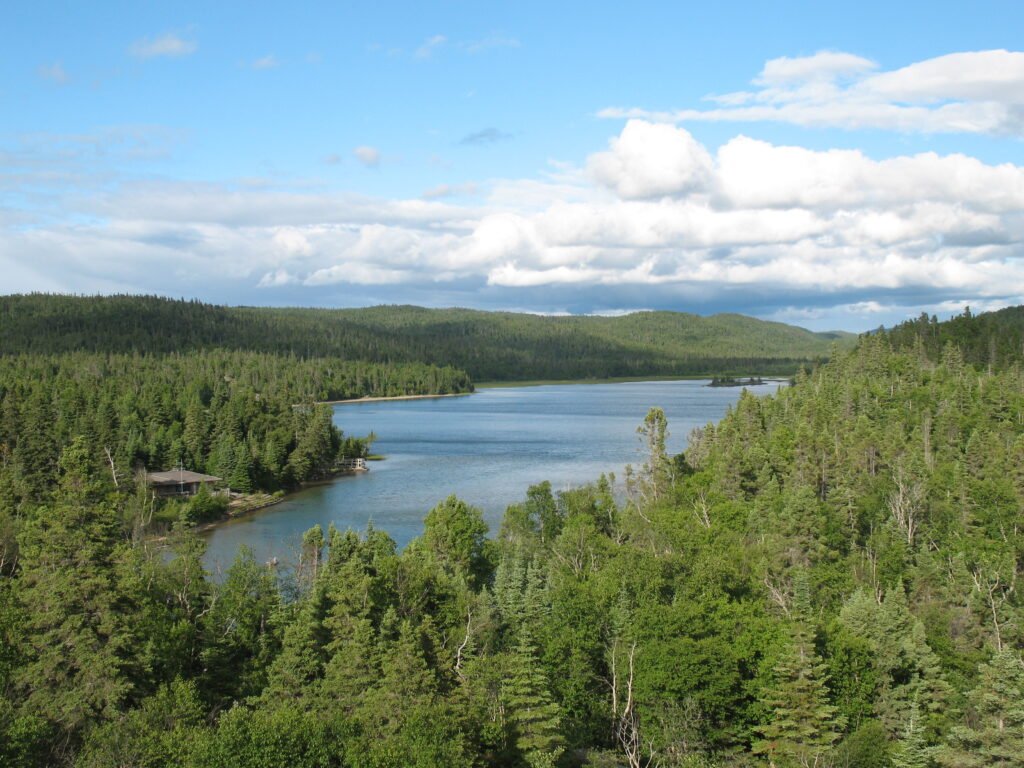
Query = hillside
x=992 y=339
x=826 y=577
x=488 y=345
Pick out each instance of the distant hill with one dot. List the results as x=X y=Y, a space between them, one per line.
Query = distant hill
x=495 y=346
x=993 y=339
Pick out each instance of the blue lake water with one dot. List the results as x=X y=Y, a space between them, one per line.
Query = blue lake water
x=487 y=448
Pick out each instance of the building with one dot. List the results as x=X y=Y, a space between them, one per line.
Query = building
x=179 y=482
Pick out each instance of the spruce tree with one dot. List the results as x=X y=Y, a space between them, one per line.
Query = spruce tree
x=803 y=725
x=994 y=734
x=77 y=664
x=912 y=751
x=534 y=715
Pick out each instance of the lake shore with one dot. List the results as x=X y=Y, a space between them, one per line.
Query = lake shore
x=486 y=449
x=394 y=397
x=768 y=379
x=261 y=501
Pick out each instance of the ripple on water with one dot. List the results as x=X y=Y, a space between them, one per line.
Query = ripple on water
x=487 y=449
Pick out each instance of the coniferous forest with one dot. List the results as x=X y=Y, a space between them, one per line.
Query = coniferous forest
x=827 y=577
x=489 y=346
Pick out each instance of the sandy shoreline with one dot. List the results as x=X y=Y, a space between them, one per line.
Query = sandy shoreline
x=396 y=397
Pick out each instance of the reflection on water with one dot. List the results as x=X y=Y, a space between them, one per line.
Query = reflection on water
x=486 y=448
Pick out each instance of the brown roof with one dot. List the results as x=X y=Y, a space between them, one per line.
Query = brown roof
x=179 y=477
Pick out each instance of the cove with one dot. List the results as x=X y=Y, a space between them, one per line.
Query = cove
x=487 y=448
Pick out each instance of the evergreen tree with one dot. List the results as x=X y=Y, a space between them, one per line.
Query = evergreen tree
x=994 y=733
x=912 y=750
x=533 y=714
x=77 y=662
x=803 y=725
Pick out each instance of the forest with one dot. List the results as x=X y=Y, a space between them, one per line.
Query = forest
x=826 y=577
x=489 y=346
x=255 y=420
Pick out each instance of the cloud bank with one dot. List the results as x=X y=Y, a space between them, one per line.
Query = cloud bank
x=655 y=219
x=979 y=92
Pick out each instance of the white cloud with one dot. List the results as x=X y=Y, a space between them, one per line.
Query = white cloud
x=489 y=43
x=652 y=160
x=431 y=44
x=277 y=279
x=656 y=219
x=824 y=65
x=970 y=92
x=167 y=44
x=54 y=72
x=468 y=189
x=368 y=156
x=753 y=174
x=266 y=62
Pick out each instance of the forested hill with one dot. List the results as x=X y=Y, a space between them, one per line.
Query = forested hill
x=828 y=577
x=992 y=339
x=488 y=345
x=247 y=417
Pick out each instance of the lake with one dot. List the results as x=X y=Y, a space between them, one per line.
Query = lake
x=487 y=448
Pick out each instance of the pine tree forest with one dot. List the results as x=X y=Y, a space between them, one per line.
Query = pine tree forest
x=826 y=577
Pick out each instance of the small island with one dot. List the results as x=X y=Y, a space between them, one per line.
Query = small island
x=728 y=381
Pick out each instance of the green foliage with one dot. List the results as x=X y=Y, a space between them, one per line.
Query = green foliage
x=533 y=714
x=280 y=737
x=77 y=657
x=912 y=751
x=206 y=505
x=866 y=747
x=994 y=733
x=248 y=418
x=814 y=582
x=803 y=725
x=490 y=346
x=455 y=533
x=157 y=733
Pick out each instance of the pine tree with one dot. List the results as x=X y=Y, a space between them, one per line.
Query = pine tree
x=509 y=584
x=803 y=725
x=535 y=717
x=298 y=668
x=907 y=667
x=994 y=735
x=78 y=655
x=912 y=751
x=240 y=477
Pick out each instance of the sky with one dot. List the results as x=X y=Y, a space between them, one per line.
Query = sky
x=829 y=165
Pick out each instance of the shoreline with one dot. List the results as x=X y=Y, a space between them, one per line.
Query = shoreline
x=768 y=379
x=210 y=525
x=393 y=397
x=271 y=501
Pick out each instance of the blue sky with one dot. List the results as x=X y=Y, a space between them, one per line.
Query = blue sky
x=827 y=165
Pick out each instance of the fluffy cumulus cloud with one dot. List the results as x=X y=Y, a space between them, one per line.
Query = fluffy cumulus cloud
x=654 y=219
x=979 y=92
x=650 y=160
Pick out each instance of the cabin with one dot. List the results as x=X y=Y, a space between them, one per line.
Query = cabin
x=179 y=482
x=351 y=465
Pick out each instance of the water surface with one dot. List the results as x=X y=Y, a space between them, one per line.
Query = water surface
x=487 y=448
